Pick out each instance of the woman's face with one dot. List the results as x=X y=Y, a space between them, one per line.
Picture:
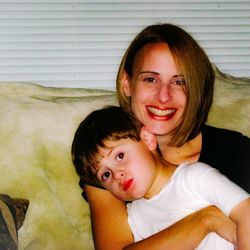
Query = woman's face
x=157 y=89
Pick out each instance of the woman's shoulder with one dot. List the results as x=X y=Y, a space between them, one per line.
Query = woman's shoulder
x=223 y=135
x=227 y=151
x=224 y=142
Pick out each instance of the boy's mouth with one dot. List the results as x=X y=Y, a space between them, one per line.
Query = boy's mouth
x=127 y=184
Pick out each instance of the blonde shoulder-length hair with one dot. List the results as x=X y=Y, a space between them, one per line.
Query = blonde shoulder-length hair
x=194 y=65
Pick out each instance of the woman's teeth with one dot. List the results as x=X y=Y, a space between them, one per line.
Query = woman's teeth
x=160 y=112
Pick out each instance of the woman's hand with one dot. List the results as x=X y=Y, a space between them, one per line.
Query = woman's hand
x=219 y=223
x=241 y=216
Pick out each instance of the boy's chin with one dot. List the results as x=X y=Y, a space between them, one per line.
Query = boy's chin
x=129 y=199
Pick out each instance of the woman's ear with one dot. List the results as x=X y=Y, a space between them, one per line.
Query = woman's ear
x=125 y=83
x=148 y=138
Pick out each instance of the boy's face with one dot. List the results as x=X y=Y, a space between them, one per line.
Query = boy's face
x=127 y=169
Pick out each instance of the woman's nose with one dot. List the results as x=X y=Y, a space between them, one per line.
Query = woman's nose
x=164 y=93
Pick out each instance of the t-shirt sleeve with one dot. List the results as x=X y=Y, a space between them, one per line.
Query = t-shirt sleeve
x=209 y=184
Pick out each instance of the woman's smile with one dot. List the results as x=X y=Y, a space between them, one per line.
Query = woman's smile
x=161 y=113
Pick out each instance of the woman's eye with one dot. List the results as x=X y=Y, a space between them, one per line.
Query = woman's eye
x=106 y=175
x=150 y=79
x=119 y=156
x=179 y=82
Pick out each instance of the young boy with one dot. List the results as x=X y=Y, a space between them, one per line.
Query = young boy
x=111 y=149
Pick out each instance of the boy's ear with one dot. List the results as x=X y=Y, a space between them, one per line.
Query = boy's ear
x=148 y=138
x=125 y=83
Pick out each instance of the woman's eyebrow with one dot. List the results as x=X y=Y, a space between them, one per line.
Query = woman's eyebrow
x=156 y=73
x=180 y=75
x=148 y=71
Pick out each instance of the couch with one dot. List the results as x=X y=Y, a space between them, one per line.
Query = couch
x=37 y=125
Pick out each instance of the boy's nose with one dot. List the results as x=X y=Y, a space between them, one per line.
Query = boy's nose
x=120 y=175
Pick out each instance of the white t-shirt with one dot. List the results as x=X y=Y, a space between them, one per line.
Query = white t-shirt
x=191 y=187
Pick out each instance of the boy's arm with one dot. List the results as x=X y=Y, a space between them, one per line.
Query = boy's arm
x=241 y=216
x=111 y=230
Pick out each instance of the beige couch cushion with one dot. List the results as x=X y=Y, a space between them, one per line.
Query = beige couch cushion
x=37 y=125
x=36 y=130
x=231 y=105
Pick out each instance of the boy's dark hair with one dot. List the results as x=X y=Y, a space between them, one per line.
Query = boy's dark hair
x=109 y=123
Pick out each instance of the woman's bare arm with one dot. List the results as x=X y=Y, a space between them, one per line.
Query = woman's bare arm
x=111 y=230
x=109 y=220
x=187 y=233
x=241 y=215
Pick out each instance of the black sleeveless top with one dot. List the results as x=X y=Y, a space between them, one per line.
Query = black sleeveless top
x=229 y=152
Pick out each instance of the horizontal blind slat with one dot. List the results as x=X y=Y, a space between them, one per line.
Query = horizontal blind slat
x=80 y=43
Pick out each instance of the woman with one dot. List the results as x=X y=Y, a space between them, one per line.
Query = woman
x=166 y=79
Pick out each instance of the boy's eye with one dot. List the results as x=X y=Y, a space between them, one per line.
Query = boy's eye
x=105 y=176
x=119 y=156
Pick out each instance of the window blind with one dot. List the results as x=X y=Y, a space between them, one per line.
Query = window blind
x=80 y=43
